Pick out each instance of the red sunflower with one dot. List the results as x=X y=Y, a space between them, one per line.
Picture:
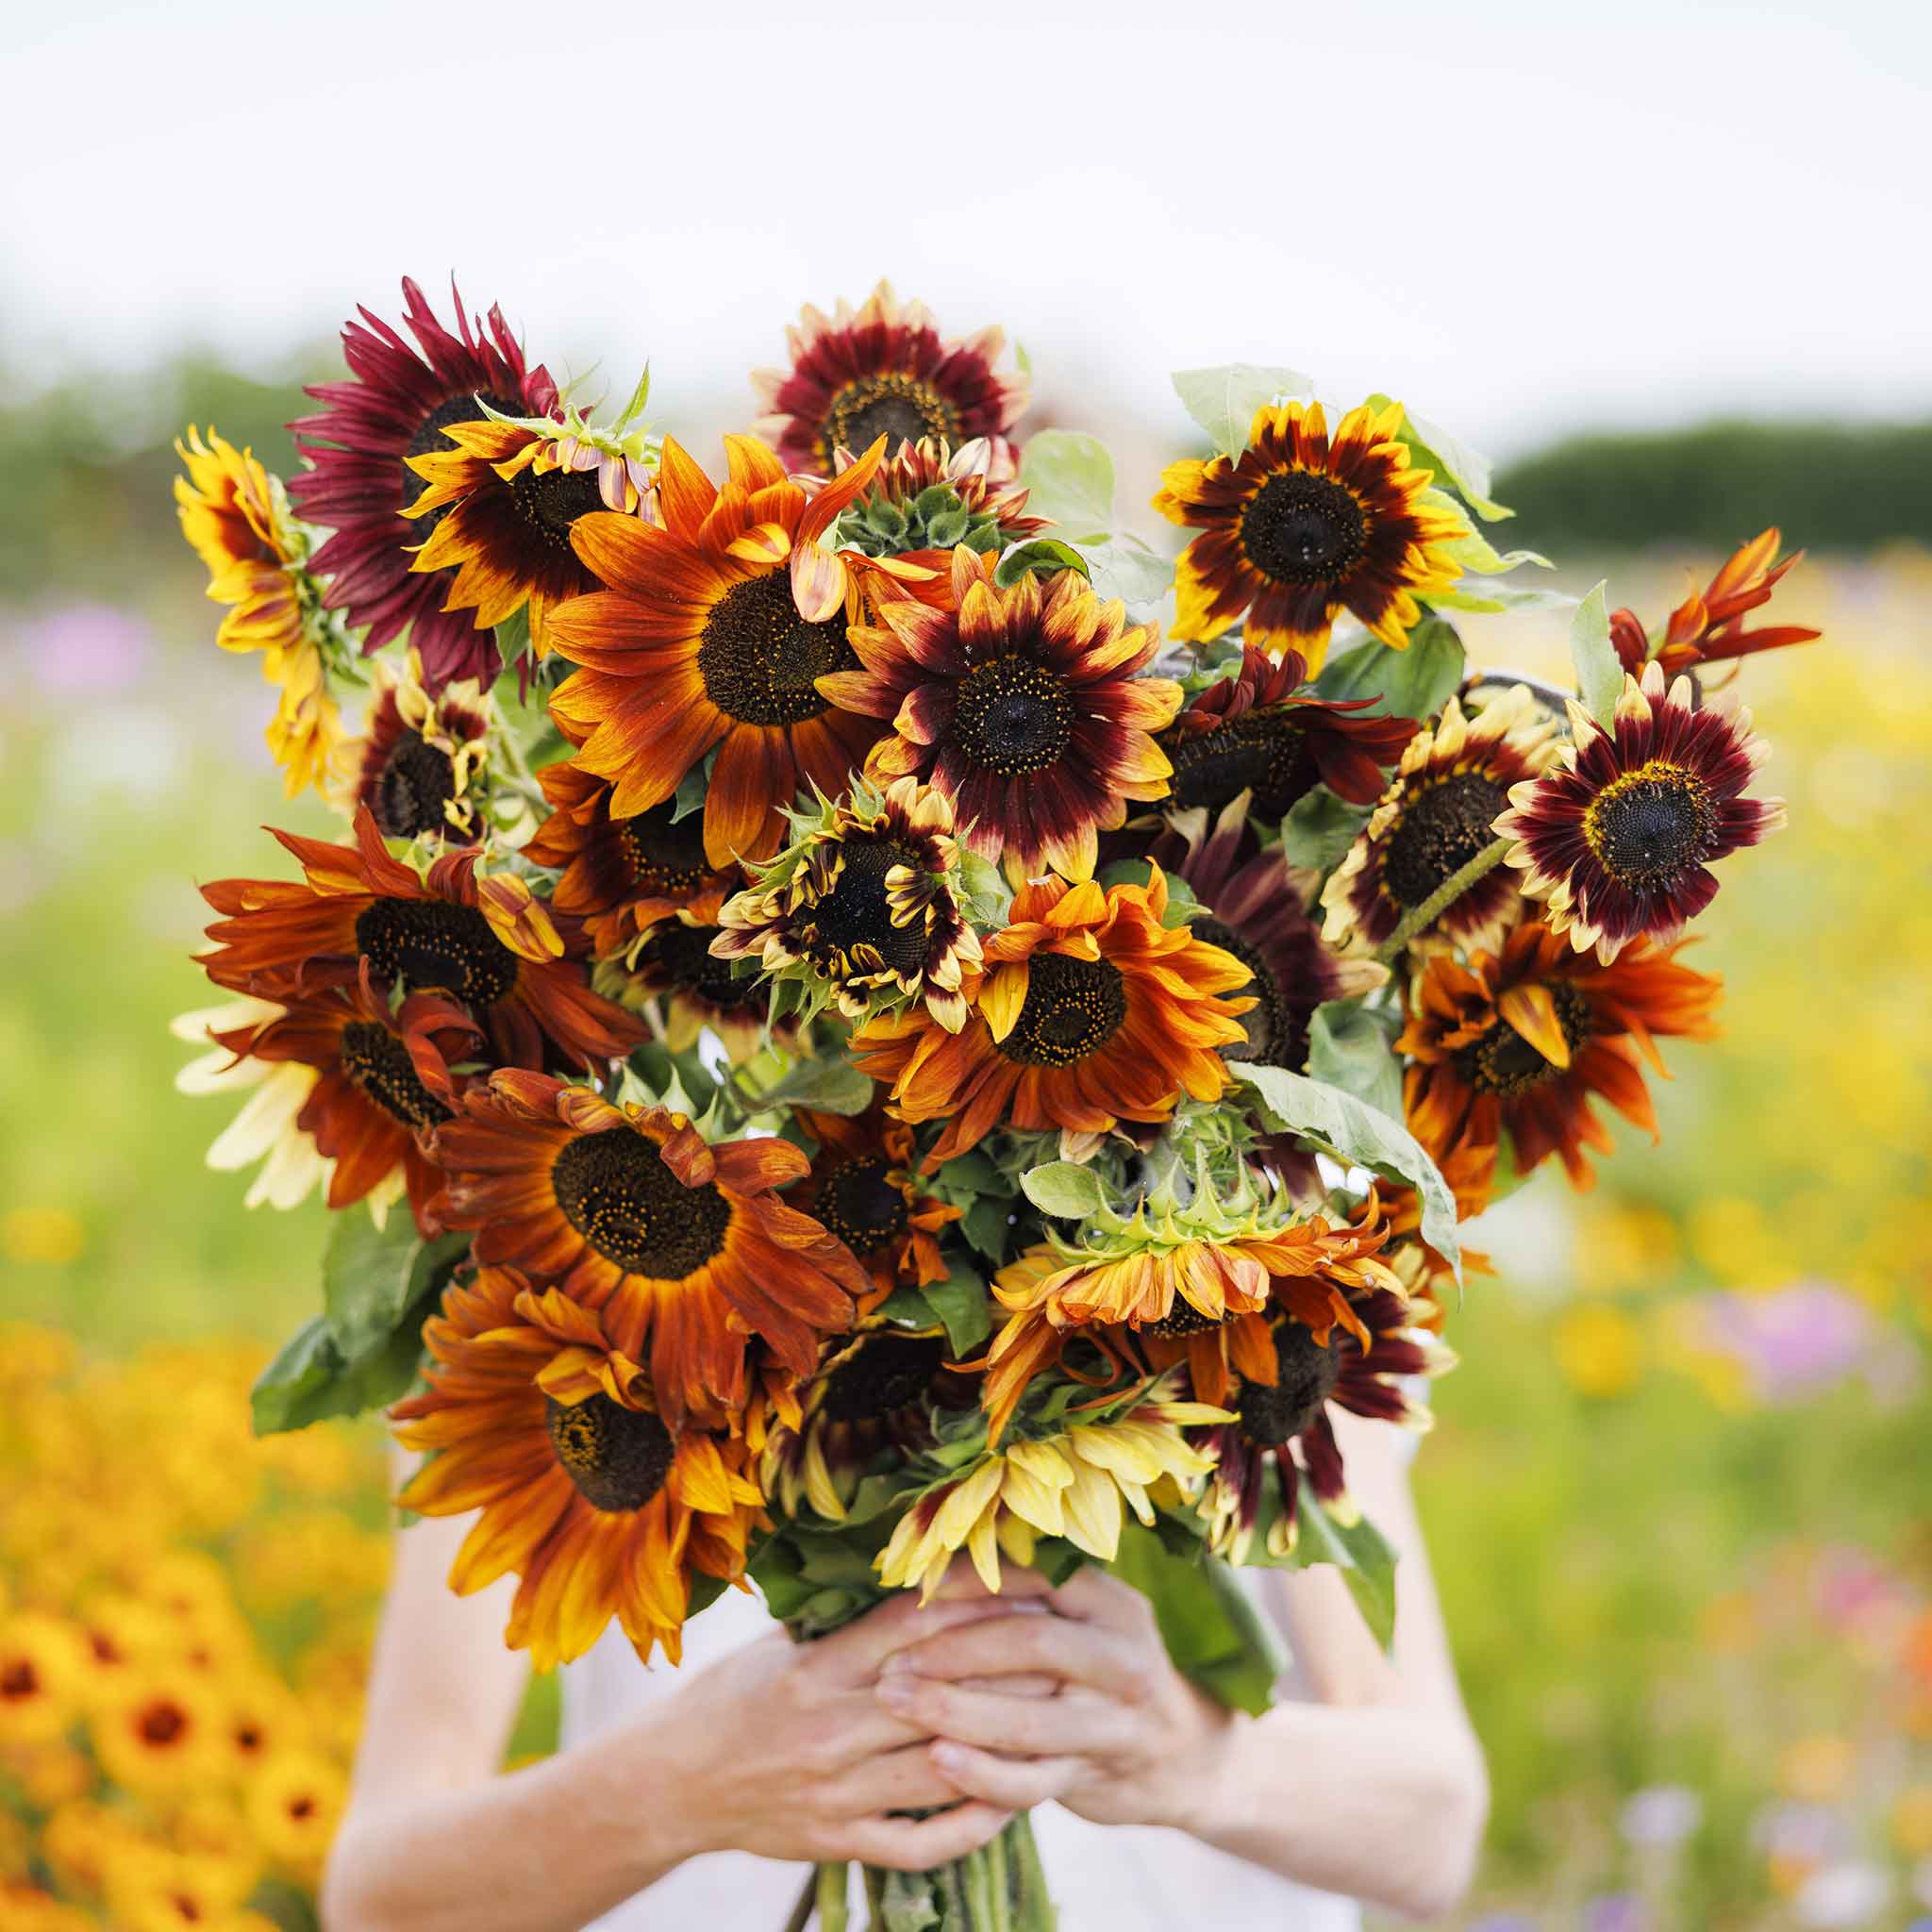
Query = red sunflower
x=713 y=633
x=883 y=369
x=396 y=404
x=1020 y=706
x=1518 y=1041
x=385 y=1084
x=413 y=767
x=1258 y=731
x=481 y=941
x=684 y=1247
x=1618 y=837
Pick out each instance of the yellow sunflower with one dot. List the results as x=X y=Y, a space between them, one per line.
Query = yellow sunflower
x=294 y=1801
x=1302 y=526
x=160 y=1731
x=42 y=1662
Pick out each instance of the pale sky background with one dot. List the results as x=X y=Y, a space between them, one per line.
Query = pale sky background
x=1520 y=218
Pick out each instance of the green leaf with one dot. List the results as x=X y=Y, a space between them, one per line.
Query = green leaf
x=1068 y=477
x=1414 y=683
x=1065 y=1189
x=1360 y=1135
x=829 y=1084
x=371 y=1275
x=1126 y=568
x=1350 y=1048
x=689 y=796
x=1362 y=1555
x=1448 y=456
x=311 y=1380
x=1476 y=552
x=962 y=1302
x=1319 y=828
x=988 y=1225
x=633 y=408
x=513 y=637
x=1223 y=401
x=1042 y=556
x=1599 y=674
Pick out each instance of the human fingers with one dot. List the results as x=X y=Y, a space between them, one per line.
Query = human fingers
x=902 y=1780
x=917 y=1844
x=995 y=1647
x=1077 y=1722
x=1018 y=1583
x=1016 y=1783
x=1091 y=1595
x=853 y=1655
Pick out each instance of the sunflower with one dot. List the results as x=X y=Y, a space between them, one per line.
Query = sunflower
x=159 y=1732
x=1069 y=1484
x=1258 y=732
x=1256 y=906
x=153 y=1889
x=384 y=1083
x=482 y=940
x=671 y=975
x=234 y=516
x=397 y=405
x=415 y=763
x=500 y=507
x=264 y=1130
x=713 y=634
x=684 y=1248
x=863 y=907
x=25 y=1908
x=1518 y=1041
x=599 y=1499
x=1299 y=528
x=1618 y=835
x=864 y=1186
x=1020 y=706
x=1195 y=1285
x=1281 y=1425
x=623 y=876
x=872 y=1391
x=42 y=1667
x=295 y=1799
x=883 y=369
x=1440 y=813
x=1092 y=1011
x=1708 y=628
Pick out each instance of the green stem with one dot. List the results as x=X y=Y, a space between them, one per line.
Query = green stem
x=1420 y=917
x=831 y=1897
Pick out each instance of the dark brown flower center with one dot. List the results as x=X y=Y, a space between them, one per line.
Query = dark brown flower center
x=379 y=1064
x=1274 y=1031
x=432 y=942
x=1443 y=826
x=161 y=1724
x=429 y=436
x=19 y=1680
x=862 y=1204
x=1502 y=1061
x=664 y=853
x=902 y=408
x=1304 y=528
x=616 y=1191
x=1184 y=1318
x=761 y=661
x=677 y=958
x=618 y=1457
x=1651 y=825
x=1306 y=1377
x=553 y=501
x=1073 y=1008
x=1262 y=751
x=1014 y=716
x=416 y=781
x=885 y=1373
x=850 y=931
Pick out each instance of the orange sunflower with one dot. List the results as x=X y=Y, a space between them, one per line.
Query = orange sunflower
x=1301 y=526
x=384 y=1082
x=1708 y=626
x=600 y=1500
x=499 y=510
x=683 y=1247
x=864 y=1188
x=1022 y=706
x=713 y=633
x=482 y=940
x=1518 y=1041
x=623 y=876
x=1092 y=1011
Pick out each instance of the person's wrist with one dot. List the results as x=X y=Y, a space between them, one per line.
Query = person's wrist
x=668 y=1775
x=1192 y=1793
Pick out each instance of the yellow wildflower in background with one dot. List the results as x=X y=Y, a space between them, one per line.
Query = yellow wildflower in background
x=1598 y=1349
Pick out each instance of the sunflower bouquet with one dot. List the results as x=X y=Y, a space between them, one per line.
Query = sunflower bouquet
x=865 y=1014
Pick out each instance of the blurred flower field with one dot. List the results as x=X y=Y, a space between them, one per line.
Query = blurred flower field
x=1677 y=1495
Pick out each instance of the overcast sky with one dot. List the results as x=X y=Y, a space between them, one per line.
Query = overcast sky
x=1520 y=218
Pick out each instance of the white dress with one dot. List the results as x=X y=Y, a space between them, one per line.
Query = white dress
x=1104 y=1878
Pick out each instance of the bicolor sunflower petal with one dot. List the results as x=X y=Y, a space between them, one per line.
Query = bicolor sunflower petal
x=414 y=766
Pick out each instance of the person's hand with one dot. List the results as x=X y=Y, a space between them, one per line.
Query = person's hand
x=782 y=1748
x=1127 y=1739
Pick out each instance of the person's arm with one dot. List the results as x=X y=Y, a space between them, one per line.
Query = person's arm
x=1376 y=1792
x=780 y=1749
